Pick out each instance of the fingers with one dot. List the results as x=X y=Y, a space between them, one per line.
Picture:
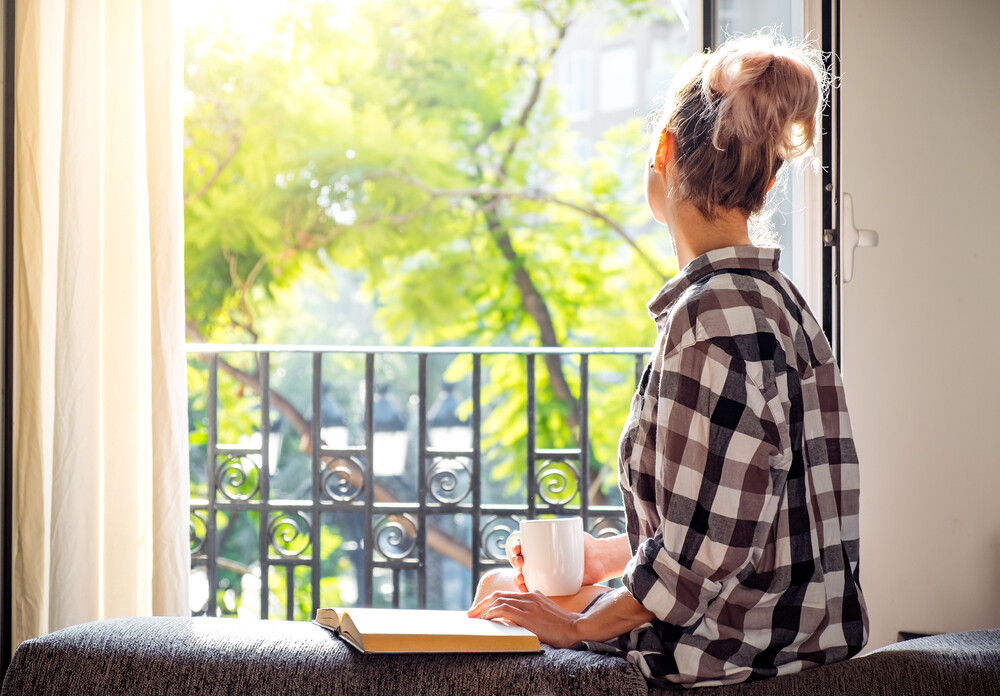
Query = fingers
x=507 y=608
x=482 y=605
x=517 y=562
x=504 y=613
x=479 y=607
x=479 y=610
x=497 y=604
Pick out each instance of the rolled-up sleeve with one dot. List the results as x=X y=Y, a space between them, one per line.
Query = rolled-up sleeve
x=706 y=470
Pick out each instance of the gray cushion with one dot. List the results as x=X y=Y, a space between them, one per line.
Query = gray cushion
x=226 y=657
x=953 y=664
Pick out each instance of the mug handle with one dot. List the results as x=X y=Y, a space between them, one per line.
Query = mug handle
x=512 y=540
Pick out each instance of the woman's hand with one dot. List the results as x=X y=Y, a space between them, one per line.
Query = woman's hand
x=534 y=611
x=615 y=612
x=603 y=559
x=594 y=562
x=516 y=561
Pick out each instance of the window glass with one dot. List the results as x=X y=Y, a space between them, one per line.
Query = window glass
x=788 y=197
x=736 y=17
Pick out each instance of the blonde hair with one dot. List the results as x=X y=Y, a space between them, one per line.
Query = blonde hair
x=737 y=115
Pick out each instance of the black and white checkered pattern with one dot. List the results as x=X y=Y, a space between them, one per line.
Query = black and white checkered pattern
x=740 y=481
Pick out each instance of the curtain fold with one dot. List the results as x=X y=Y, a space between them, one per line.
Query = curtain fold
x=100 y=441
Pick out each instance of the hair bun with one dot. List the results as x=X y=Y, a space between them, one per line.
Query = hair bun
x=765 y=91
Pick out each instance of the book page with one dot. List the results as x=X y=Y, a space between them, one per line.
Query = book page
x=427 y=622
x=425 y=630
x=328 y=617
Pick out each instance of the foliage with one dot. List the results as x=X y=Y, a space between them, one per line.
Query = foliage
x=372 y=144
x=416 y=147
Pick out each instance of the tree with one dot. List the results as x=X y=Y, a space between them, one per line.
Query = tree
x=419 y=144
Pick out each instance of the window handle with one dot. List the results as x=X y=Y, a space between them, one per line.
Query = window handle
x=853 y=237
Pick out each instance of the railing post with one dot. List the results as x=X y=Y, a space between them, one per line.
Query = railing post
x=584 y=438
x=211 y=462
x=422 y=481
x=315 y=437
x=263 y=478
x=369 y=479
x=477 y=494
x=532 y=482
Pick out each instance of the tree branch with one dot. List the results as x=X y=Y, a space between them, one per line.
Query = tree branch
x=234 y=148
x=489 y=196
x=535 y=306
x=541 y=71
x=242 y=287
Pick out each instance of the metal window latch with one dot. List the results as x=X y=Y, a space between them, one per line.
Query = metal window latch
x=853 y=237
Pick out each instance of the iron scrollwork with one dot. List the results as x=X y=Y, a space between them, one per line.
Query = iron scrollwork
x=342 y=480
x=198 y=521
x=238 y=478
x=604 y=527
x=493 y=537
x=449 y=481
x=395 y=537
x=289 y=533
x=558 y=482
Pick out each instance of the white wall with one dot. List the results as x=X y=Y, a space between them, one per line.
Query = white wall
x=921 y=320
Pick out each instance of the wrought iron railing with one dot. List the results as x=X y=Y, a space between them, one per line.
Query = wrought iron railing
x=344 y=532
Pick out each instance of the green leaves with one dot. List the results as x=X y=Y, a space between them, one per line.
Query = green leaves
x=418 y=145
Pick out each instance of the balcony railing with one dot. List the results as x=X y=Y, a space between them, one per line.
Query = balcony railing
x=279 y=530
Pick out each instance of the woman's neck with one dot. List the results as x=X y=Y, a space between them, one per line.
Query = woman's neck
x=693 y=235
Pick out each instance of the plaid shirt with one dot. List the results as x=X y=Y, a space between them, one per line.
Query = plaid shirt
x=740 y=482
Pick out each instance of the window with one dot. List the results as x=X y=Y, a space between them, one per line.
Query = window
x=578 y=84
x=618 y=78
x=351 y=180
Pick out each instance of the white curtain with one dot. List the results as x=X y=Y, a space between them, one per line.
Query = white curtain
x=100 y=432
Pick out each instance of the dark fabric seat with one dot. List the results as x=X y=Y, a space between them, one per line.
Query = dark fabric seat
x=953 y=664
x=227 y=657
x=230 y=657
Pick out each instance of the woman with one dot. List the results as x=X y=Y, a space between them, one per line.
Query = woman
x=737 y=465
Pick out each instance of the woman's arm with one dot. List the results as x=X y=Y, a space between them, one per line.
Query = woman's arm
x=604 y=558
x=614 y=613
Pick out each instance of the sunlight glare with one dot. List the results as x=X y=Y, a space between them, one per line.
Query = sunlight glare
x=250 y=19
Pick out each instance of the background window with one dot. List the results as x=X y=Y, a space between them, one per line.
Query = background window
x=577 y=79
x=617 y=86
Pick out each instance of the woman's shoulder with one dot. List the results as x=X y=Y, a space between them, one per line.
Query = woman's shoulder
x=748 y=314
x=722 y=304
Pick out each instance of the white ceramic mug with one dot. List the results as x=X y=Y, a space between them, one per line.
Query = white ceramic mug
x=553 y=555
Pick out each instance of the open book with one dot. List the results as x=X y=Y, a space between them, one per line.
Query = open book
x=423 y=631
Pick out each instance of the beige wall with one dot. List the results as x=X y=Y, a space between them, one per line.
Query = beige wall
x=921 y=320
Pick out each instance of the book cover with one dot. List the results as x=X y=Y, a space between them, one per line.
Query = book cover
x=423 y=631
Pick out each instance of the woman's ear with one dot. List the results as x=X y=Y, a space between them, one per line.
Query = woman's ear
x=664 y=151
